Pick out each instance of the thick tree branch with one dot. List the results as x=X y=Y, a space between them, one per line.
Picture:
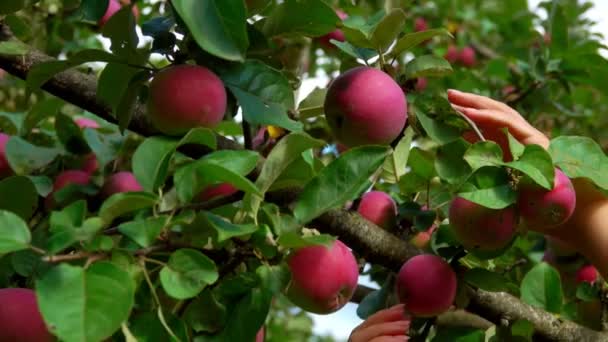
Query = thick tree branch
x=377 y=245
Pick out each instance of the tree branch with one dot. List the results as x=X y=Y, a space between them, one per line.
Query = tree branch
x=377 y=245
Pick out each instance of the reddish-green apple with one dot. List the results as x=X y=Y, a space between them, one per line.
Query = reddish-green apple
x=482 y=230
x=323 y=279
x=365 y=106
x=452 y=55
x=186 y=96
x=5 y=168
x=468 y=56
x=379 y=208
x=337 y=34
x=420 y=24
x=426 y=284
x=216 y=191
x=123 y=181
x=20 y=318
x=541 y=208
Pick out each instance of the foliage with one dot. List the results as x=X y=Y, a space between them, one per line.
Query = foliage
x=160 y=265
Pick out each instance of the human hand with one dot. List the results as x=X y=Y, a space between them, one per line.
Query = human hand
x=389 y=325
x=492 y=117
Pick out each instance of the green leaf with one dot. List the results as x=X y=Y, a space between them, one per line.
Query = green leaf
x=587 y=292
x=388 y=29
x=150 y=162
x=206 y=313
x=93 y=10
x=226 y=229
x=421 y=164
x=191 y=179
x=558 y=30
x=124 y=203
x=39 y=112
x=288 y=149
x=411 y=40
x=487 y=280
x=354 y=51
x=375 y=300
x=23 y=198
x=459 y=334
x=13 y=48
x=523 y=328
x=74 y=301
x=427 y=66
x=516 y=148
x=25 y=158
x=498 y=197
x=113 y=83
x=218 y=26
x=144 y=232
x=263 y=93
x=147 y=327
x=449 y=162
x=70 y=135
x=395 y=164
x=486 y=153
x=305 y=17
x=40 y=73
x=120 y=29
x=15 y=233
x=7 y=7
x=105 y=146
x=69 y=226
x=126 y=106
x=187 y=273
x=295 y=241
x=435 y=129
x=541 y=287
x=536 y=163
x=580 y=157
x=339 y=182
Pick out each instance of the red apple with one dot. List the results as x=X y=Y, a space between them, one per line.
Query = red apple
x=379 y=208
x=5 y=168
x=184 y=97
x=20 y=318
x=120 y=182
x=215 y=191
x=337 y=34
x=420 y=24
x=323 y=279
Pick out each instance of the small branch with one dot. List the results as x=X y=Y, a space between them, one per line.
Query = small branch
x=38 y=250
x=462 y=318
x=472 y=125
x=149 y=281
x=154 y=261
x=68 y=257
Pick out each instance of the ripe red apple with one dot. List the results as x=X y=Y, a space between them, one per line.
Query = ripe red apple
x=113 y=7
x=89 y=163
x=186 y=96
x=20 y=318
x=587 y=273
x=86 y=123
x=541 y=208
x=379 y=208
x=259 y=337
x=426 y=284
x=423 y=239
x=468 y=56
x=365 y=106
x=64 y=179
x=420 y=24
x=336 y=34
x=215 y=191
x=482 y=230
x=452 y=55
x=5 y=168
x=323 y=279
x=421 y=83
x=120 y=182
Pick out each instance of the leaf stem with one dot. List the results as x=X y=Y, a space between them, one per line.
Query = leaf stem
x=154 y=261
x=38 y=250
x=142 y=263
x=472 y=125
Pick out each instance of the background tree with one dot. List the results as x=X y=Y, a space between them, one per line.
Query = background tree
x=196 y=233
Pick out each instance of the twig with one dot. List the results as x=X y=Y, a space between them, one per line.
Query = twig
x=38 y=250
x=472 y=125
x=67 y=257
x=149 y=281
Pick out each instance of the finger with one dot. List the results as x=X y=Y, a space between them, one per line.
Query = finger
x=475 y=101
x=382 y=329
x=391 y=314
x=401 y=338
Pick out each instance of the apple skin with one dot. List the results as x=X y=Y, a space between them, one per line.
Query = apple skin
x=365 y=106
x=86 y=123
x=89 y=162
x=336 y=34
x=468 y=57
x=452 y=55
x=64 y=179
x=420 y=24
x=259 y=337
x=427 y=285
x=120 y=182
x=20 y=318
x=543 y=209
x=5 y=168
x=481 y=230
x=113 y=7
x=183 y=97
x=421 y=83
x=422 y=240
x=215 y=191
x=587 y=273
x=379 y=208
x=323 y=279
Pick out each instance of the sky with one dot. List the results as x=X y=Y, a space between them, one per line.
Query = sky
x=340 y=324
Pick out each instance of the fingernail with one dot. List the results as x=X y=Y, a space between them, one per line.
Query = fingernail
x=454 y=91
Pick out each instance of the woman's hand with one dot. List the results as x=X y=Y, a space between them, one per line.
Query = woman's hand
x=389 y=325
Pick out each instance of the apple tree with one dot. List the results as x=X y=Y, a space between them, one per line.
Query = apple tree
x=169 y=174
